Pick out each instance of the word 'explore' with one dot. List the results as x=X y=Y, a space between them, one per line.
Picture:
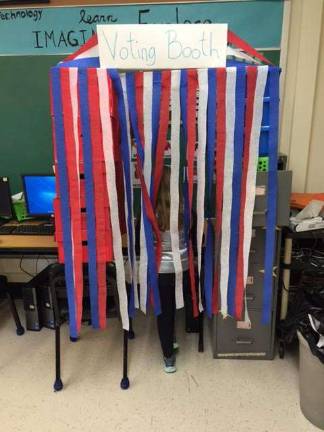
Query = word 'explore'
x=162 y=46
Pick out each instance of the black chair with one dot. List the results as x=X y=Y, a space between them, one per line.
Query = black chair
x=5 y=289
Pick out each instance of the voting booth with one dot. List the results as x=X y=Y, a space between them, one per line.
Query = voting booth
x=198 y=96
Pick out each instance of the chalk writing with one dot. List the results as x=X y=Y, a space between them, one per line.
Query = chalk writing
x=12 y=15
x=86 y=18
x=145 y=18
x=61 y=39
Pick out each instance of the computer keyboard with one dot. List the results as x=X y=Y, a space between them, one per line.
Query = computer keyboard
x=7 y=229
x=45 y=229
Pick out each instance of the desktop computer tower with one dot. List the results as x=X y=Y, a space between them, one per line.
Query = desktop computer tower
x=31 y=307
x=46 y=307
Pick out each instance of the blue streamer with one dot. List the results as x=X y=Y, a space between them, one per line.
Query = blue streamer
x=89 y=192
x=236 y=186
x=156 y=101
x=210 y=159
x=273 y=77
x=183 y=98
x=65 y=206
x=127 y=173
x=152 y=276
x=81 y=63
x=211 y=136
x=209 y=268
x=183 y=108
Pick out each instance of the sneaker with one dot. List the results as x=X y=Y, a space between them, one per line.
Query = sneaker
x=169 y=364
x=176 y=346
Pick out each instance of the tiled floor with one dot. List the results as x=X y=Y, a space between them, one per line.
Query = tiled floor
x=205 y=395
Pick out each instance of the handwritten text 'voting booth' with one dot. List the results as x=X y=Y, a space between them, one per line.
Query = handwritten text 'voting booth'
x=162 y=46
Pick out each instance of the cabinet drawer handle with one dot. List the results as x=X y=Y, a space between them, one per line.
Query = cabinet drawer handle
x=274 y=271
x=244 y=341
x=250 y=297
x=260 y=212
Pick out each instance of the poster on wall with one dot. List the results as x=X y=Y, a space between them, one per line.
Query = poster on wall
x=162 y=46
x=13 y=2
x=62 y=30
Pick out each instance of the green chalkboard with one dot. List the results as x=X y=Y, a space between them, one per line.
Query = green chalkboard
x=25 y=130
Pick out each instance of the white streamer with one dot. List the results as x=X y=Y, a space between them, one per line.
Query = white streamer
x=112 y=192
x=227 y=186
x=73 y=81
x=174 y=185
x=147 y=168
x=253 y=163
x=132 y=272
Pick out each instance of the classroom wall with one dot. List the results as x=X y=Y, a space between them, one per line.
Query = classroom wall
x=315 y=177
x=302 y=125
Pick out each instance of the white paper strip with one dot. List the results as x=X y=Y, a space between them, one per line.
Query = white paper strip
x=112 y=192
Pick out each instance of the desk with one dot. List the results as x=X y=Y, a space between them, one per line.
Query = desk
x=27 y=245
x=13 y=245
x=33 y=249
x=289 y=237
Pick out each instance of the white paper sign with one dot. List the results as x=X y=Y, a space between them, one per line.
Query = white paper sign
x=162 y=46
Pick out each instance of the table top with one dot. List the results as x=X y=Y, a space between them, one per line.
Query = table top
x=31 y=244
x=27 y=244
x=312 y=234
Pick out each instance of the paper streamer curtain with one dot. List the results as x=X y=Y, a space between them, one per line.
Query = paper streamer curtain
x=102 y=117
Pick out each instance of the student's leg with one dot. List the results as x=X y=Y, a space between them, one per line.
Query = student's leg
x=191 y=323
x=165 y=321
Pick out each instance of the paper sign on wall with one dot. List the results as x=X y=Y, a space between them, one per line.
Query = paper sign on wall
x=162 y=46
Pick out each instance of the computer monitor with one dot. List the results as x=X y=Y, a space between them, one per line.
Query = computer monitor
x=39 y=193
x=5 y=198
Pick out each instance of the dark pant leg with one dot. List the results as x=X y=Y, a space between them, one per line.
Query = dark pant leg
x=191 y=323
x=165 y=321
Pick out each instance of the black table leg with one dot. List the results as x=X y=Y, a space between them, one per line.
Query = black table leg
x=124 y=384
x=201 y=333
x=58 y=384
x=54 y=270
x=19 y=328
x=131 y=334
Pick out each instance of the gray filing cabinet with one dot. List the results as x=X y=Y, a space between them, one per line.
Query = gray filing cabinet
x=234 y=339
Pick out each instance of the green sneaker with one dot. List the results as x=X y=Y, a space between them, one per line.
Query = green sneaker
x=169 y=364
x=176 y=346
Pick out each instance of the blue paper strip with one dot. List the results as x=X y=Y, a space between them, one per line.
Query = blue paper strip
x=183 y=144
x=236 y=186
x=210 y=161
x=89 y=192
x=273 y=77
x=127 y=174
x=65 y=206
x=156 y=101
x=152 y=276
